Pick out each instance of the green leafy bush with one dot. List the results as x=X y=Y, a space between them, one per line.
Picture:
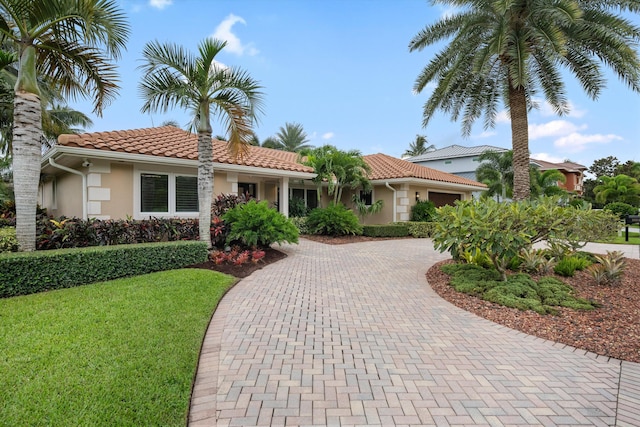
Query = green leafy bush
x=621 y=209
x=334 y=220
x=609 y=267
x=8 y=241
x=420 y=229
x=423 y=211
x=301 y=224
x=26 y=273
x=385 y=230
x=567 y=266
x=255 y=224
x=297 y=208
x=223 y=203
x=503 y=230
x=518 y=291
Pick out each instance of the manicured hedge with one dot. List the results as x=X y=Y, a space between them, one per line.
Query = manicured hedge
x=31 y=272
x=385 y=230
x=420 y=229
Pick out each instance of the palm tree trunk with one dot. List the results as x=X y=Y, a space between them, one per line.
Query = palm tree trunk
x=520 y=142
x=205 y=185
x=27 y=131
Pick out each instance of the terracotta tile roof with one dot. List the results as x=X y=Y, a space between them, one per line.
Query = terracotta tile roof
x=169 y=141
x=566 y=166
x=387 y=167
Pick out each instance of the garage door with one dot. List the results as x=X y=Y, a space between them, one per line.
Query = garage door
x=441 y=199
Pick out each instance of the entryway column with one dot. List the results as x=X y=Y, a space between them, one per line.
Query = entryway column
x=283 y=203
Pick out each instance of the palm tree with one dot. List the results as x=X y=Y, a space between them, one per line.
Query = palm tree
x=619 y=188
x=176 y=77
x=546 y=183
x=292 y=137
x=337 y=169
x=509 y=50
x=72 y=43
x=496 y=171
x=419 y=147
x=271 y=142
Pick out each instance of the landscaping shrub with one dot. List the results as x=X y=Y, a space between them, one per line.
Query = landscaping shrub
x=301 y=224
x=8 y=241
x=503 y=230
x=621 y=209
x=609 y=267
x=75 y=232
x=31 y=272
x=385 y=230
x=423 y=211
x=297 y=208
x=335 y=220
x=223 y=203
x=567 y=266
x=420 y=229
x=518 y=291
x=256 y=224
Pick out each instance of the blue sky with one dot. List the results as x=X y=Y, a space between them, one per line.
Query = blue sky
x=342 y=69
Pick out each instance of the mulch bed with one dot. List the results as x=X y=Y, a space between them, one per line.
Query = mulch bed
x=242 y=271
x=611 y=330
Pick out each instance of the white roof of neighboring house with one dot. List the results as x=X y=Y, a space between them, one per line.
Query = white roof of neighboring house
x=454 y=151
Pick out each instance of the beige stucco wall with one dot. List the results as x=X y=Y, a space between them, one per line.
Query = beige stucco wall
x=120 y=183
x=68 y=196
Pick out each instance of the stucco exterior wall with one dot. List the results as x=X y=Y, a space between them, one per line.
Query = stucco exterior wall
x=460 y=165
x=120 y=184
x=68 y=196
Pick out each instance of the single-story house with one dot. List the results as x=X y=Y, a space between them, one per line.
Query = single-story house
x=152 y=172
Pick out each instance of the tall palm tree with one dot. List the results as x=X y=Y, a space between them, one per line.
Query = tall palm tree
x=176 y=77
x=496 y=171
x=292 y=137
x=271 y=142
x=419 y=147
x=510 y=49
x=73 y=43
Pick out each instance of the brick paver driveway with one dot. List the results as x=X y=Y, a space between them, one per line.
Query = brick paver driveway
x=354 y=335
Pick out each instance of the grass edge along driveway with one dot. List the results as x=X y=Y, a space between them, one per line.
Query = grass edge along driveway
x=122 y=352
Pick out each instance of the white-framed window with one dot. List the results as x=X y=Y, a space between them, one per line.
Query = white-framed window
x=166 y=194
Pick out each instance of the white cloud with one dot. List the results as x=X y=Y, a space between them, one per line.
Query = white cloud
x=546 y=110
x=160 y=4
x=485 y=134
x=576 y=142
x=328 y=135
x=547 y=157
x=503 y=117
x=234 y=45
x=553 y=128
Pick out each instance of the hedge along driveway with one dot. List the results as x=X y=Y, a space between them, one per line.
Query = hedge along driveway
x=31 y=272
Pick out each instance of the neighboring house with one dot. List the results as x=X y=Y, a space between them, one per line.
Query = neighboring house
x=463 y=161
x=455 y=159
x=573 y=172
x=152 y=172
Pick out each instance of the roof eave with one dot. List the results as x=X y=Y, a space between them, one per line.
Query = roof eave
x=60 y=150
x=432 y=183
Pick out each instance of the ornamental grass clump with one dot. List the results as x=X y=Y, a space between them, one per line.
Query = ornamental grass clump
x=608 y=269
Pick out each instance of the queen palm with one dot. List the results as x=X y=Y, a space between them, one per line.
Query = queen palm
x=419 y=147
x=175 y=77
x=496 y=171
x=292 y=137
x=509 y=50
x=72 y=43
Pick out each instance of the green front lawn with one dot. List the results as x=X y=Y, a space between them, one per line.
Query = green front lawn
x=122 y=352
x=634 y=238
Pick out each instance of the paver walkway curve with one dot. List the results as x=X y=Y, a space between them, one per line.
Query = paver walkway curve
x=353 y=335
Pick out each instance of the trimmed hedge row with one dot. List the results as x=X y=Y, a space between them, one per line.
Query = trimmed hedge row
x=26 y=273
x=420 y=229
x=385 y=230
